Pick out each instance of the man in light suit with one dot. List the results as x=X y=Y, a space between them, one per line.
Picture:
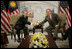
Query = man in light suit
x=54 y=22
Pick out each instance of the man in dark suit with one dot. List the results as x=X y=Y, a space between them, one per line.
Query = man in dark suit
x=22 y=23
x=53 y=20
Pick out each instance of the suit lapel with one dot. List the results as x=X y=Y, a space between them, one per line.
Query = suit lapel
x=52 y=17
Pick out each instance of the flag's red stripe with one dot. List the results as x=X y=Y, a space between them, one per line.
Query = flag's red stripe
x=4 y=14
x=61 y=11
x=6 y=22
x=67 y=22
x=2 y=29
x=68 y=11
x=5 y=27
x=7 y=15
x=17 y=12
x=8 y=19
x=9 y=12
x=67 y=26
x=68 y=16
x=65 y=16
x=5 y=10
x=13 y=12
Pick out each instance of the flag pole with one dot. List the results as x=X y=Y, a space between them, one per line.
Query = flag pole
x=59 y=7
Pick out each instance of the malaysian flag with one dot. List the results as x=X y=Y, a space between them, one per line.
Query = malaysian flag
x=13 y=8
x=5 y=25
x=64 y=9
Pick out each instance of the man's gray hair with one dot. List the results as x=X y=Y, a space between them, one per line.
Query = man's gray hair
x=24 y=10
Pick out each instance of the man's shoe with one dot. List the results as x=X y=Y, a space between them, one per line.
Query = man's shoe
x=54 y=39
x=14 y=40
x=19 y=40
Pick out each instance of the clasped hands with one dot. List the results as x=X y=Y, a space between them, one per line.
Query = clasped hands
x=33 y=24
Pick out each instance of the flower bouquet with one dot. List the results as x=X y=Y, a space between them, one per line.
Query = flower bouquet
x=38 y=40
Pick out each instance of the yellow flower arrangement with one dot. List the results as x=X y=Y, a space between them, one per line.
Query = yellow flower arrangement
x=38 y=40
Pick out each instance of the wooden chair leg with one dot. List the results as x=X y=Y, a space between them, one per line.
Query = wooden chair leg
x=42 y=30
x=14 y=31
x=15 y=38
x=33 y=30
x=21 y=31
x=11 y=35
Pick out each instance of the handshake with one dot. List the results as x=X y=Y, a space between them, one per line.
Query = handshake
x=37 y=25
x=33 y=24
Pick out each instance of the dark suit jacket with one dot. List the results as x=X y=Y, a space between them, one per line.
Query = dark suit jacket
x=55 y=20
x=21 y=22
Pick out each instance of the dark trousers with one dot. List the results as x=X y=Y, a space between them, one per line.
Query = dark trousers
x=68 y=34
x=25 y=30
x=49 y=30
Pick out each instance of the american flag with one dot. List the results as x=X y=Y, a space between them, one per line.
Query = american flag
x=64 y=9
x=5 y=25
x=13 y=10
